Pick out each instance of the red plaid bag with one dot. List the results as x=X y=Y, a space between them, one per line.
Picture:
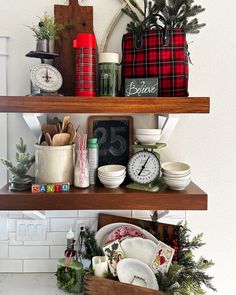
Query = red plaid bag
x=153 y=58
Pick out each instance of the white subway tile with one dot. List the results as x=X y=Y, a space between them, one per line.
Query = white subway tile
x=15 y=214
x=94 y=213
x=3 y=213
x=10 y=265
x=11 y=225
x=62 y=213
x=57 y=252
x=62 y=224
x=27 y=252
x=52 y=238
x=3 y=250
x=13 y=241
x=40 y=265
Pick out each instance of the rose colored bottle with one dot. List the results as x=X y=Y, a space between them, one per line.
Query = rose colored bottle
x=85 y=45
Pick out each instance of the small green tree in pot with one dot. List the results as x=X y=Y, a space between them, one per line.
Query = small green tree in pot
x=20 y=181
x=46 y=32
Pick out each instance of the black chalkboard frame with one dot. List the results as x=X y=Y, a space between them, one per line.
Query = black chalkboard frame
x=93 y=119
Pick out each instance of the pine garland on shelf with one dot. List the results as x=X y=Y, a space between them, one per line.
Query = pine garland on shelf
x=177 y=13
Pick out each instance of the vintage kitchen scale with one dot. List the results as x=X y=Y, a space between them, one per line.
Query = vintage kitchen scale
x=44 y=78
x=144 y=168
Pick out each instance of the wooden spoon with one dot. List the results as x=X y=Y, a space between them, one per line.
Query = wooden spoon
x=71 y=130
x=48 y=139
x=44 y=143
x=61 y=139
x=49 y=128
x=66 y=121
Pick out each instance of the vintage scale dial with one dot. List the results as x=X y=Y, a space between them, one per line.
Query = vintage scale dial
x=144 y=167
x=46 y=78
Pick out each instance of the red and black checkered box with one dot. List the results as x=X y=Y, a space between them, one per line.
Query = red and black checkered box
x=169 y=63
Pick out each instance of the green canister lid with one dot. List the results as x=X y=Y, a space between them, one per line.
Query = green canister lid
x=93 y=143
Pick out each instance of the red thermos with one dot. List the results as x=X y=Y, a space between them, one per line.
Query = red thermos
x=85 y=45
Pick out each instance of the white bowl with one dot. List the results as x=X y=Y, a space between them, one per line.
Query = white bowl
x=176 y=168
x=111 y=170
x=111 y=177
x=112 y=183
x=148 y=139
x=177 y=185
x=148 y=131
x=176 y=177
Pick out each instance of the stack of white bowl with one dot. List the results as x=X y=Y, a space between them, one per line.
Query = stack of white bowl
x=112 y=176
x=176 y=175
x=148 y=136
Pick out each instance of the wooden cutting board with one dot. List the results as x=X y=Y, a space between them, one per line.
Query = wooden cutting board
x=79 y=19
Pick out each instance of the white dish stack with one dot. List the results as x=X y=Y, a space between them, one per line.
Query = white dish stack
x=148 y=136
x=112 y=176
x=176 y=175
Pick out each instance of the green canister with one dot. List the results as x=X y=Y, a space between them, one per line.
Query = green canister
x=108 y=74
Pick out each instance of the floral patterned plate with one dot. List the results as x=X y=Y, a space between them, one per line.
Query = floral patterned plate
x=104 y=232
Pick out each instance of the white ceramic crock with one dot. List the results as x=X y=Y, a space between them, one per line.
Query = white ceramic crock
x=54 y=164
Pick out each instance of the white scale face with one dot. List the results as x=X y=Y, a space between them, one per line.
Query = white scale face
x=46 y=77
x=144 y=167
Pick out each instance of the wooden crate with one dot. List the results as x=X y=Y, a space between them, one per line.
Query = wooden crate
x=101 y=286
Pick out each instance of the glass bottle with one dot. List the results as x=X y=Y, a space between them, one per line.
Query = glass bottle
x=81 y=171
x=93 y=149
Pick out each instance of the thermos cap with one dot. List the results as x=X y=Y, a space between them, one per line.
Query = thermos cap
x=85 y=40
x=93 y=143
x=108 y=57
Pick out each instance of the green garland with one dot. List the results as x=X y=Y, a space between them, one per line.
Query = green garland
x=67 y=281
x=177 y=13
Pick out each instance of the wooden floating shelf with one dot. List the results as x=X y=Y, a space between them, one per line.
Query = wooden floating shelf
x=100 y=198
x=104 y=105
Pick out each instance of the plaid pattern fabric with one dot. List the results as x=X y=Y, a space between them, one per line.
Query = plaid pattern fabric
x=168 y=63
x=85 y=71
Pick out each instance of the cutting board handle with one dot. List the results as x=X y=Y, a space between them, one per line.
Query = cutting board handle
x=73 y=3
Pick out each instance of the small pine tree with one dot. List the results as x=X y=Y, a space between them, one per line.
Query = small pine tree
x=23 y=161
x=177 y=13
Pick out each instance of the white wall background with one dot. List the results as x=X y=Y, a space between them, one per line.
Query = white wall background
x=207 y=142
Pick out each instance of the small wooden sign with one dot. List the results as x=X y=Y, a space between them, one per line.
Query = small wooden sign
x=115 y=138
x=142 y=87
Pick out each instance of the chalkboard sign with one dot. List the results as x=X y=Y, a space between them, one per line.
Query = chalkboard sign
x=142 y=87
x=115 y=138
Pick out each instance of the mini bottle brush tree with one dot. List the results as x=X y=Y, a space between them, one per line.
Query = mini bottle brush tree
x=20 y=180
x=177 y=13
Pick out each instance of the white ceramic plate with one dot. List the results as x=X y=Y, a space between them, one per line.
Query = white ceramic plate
x=103 y=232
x=133 y=271
x=140 y=249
